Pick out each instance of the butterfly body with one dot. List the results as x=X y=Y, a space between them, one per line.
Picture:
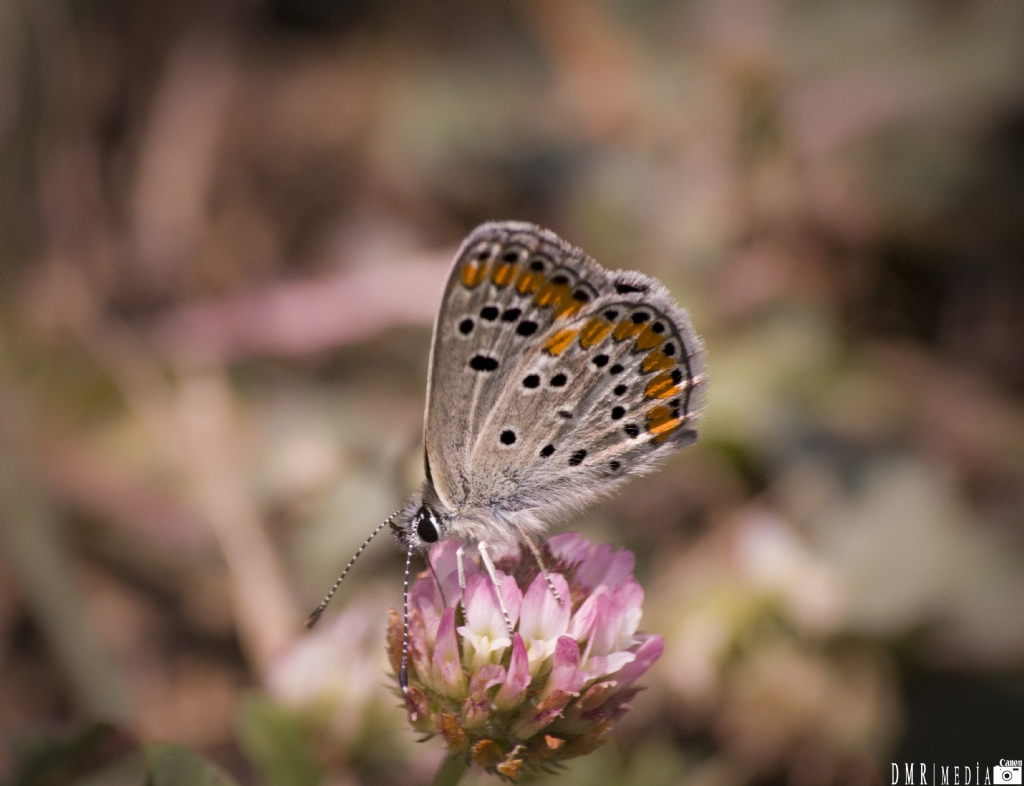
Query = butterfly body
x=551 y=381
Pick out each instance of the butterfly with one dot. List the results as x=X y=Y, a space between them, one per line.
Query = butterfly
x=551 y=380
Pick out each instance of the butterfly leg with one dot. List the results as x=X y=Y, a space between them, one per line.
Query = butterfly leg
x=486 y=557
x=540 y=563
x=462 y=578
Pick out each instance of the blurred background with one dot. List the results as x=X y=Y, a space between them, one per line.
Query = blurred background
x=224 y=230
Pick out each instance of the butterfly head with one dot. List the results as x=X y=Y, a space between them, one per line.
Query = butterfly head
x=421 y=528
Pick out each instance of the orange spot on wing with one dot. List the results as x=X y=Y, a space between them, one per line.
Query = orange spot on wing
x=662 y=386
x=504 y=274
x=558 y=343
x=473 y=273
x=553 y=295
x=568 y=309
x=662 y=421
x=664 y=435
x=626 y=328
x=656 y=361
x=648 y=339
x=529 y=282
x=594 y=332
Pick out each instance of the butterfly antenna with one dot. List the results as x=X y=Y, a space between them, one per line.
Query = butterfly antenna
x=312 y=618
x=403 y=671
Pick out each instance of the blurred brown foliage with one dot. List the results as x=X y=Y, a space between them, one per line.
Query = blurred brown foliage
x=224 y=229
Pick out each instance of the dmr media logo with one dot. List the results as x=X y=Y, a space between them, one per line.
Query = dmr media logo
x=1008 y=771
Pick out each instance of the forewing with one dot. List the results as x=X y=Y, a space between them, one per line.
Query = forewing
x=487 y=321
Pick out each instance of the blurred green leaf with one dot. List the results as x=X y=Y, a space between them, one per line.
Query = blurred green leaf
x=274 y=741
x=54 y=760
x=129 y=770
x=170 y=764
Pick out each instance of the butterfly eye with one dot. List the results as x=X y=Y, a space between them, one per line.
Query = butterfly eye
x=426 y=528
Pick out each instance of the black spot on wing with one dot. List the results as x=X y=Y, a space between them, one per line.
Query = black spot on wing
x=624 y=289
x=483 y=363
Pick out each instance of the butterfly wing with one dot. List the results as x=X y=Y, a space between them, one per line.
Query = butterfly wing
x=552 y=379
x=486 y=320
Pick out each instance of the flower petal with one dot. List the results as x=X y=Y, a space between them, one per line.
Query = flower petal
x=425 y=599
x=596 y=695
x=419 y=654
x=542 y=617
x=615 y=661
x=565 y=675
x=518 y=679
x=629 y=597
x=605 y=631
x=583 y=620
x=447 y=668
x=485 y=634
x=649 y=651
x=485 y=677
x=604 y=565
x=483 y=613
x=513 y=597
x=569 y=547
x=444 y=561
x=550 y=707
x=477 y=707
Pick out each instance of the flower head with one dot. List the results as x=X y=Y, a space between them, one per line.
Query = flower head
x=551 y=689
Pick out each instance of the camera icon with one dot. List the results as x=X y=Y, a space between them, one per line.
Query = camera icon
x=1006 y=775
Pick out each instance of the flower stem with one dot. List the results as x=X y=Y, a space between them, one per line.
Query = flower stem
x=451 y=772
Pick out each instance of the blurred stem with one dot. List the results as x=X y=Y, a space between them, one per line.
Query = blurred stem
x=268 y=620
x=451 y=772
x=193 y=423
x=32 y=545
